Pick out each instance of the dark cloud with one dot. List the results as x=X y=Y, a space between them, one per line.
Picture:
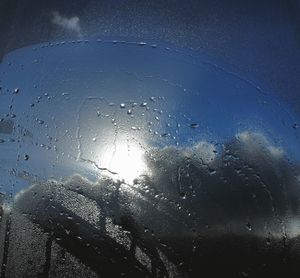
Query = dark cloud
x=246 y=185
x=248 y=179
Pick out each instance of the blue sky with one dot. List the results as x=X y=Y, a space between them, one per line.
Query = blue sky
x=77 y=88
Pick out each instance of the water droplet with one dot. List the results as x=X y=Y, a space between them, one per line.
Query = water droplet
x=129 y=111
x=144 y=104
x=182 y=195
x=248 y=226
x=40 y=121
x=212 y=172
x=26 y=157
x=194 y=125
x=244 y=274
x=133 y=128
x=16 y=91
x=122 y=105
x=94 y=139
x=142 y=43
x=152 y=98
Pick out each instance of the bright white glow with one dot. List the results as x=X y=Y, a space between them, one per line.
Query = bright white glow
x=124 y=159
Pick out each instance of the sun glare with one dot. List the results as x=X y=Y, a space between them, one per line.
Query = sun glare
x=124 y=160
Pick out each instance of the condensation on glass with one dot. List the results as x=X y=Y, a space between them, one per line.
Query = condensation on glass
x=123 y=158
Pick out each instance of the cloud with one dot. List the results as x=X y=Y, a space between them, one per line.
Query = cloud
x=254 y=142
x=249 y=179
x=246 y=186
x=69 y=24
x=202 y=151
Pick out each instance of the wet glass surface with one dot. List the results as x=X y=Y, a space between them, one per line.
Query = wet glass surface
x=128 y=158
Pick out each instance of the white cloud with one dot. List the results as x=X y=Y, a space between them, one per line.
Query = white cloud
x=254 y=142
x=204 y=152
x=69 y=24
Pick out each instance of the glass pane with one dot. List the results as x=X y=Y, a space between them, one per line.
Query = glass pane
x=142 y=157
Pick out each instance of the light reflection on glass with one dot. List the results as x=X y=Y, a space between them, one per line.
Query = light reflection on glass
x=124 y=160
